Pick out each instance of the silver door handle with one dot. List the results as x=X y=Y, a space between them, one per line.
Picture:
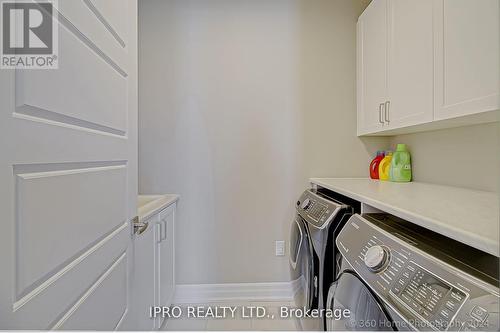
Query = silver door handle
x=158 y=232
x=139 y=227
x=164 y=232
x=380 y=119
x=315 y=282
x=387 y=115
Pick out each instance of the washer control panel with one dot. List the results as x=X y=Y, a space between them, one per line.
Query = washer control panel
x=427 y=295
x=317 y=210
x=425 y=292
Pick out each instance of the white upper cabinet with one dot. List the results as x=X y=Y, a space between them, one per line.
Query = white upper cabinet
x=410 y=63
x=371 y=62
x=466 y=57
x=422 y=63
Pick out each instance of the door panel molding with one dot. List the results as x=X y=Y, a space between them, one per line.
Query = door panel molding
x=97 y=95
x=33 y=113
x=83 y=217
x=105 y=22
x=107 y=8
x=38 y=309
x=68 y=27
x=88 y=23
x=119 y=264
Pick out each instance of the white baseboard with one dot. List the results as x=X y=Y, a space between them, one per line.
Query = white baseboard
x=209 y=293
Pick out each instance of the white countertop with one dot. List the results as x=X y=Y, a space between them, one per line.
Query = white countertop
x=468 y=216
x=149 y=205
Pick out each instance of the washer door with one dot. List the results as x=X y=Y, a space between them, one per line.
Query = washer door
x=302 y=265
x=366 y=312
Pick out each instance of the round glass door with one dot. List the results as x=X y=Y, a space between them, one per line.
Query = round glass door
x=365 y=312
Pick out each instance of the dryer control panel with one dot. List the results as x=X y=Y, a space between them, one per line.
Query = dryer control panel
x=427 y=292
x=317 y=210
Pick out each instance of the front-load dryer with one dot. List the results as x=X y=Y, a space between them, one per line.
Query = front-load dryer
x=319 y=218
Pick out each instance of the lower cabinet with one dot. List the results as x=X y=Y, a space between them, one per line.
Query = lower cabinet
x=164 y=260
x=153 y=278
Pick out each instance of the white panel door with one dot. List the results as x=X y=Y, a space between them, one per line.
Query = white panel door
x=68 y=175
x=372 y=66
x=165 y=256
x=467 y=35
x=410 y=63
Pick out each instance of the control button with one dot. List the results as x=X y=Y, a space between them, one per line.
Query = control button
x=451 y=305
x=407 y=274
x=445 y=314
x=426 y=313
x=457 y=295
x=399 y=259
x=406 y=298
x=479 y=313
x=396 y=290
x=306 y=204
x=416 y=307
x=376 y=258
x=422 y=293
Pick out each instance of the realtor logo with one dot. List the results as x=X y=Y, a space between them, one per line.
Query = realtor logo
x=29 y=34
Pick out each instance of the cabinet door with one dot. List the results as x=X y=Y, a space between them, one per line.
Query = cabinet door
x=143 y=289
x=372 y=66
x=410 y=63
x=466 y=57
x=165 y=259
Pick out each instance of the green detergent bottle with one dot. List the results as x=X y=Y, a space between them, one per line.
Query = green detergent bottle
x=401 y=165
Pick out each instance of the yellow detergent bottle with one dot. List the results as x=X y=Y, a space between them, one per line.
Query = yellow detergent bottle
x=385 y=166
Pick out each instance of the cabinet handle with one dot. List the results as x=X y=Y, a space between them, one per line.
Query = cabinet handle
x=380 y=113
x=158 y=232
x=387 y=115
x=164 y=233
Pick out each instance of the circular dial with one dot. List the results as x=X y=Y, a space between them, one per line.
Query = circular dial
x=306 y=203
x=376 y=258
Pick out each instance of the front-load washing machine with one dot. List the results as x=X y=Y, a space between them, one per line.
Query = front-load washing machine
x=320 y=215
x=396 y=275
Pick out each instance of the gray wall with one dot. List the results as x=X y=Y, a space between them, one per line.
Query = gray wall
x=465 y=156
x=240 y=103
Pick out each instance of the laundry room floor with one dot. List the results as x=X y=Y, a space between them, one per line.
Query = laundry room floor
x=235 y=324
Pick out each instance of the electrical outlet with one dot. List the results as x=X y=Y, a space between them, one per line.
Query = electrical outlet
x=280 y=248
